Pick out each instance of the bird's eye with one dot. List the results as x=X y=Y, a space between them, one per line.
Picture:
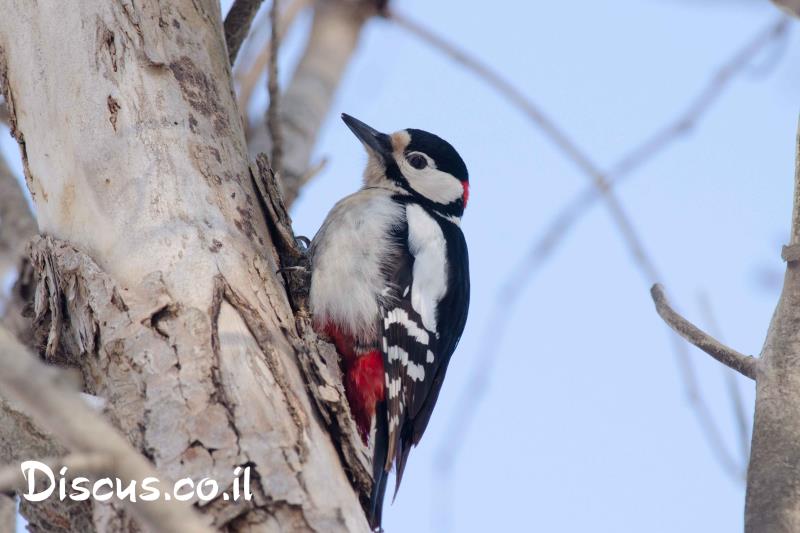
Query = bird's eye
x=417 y=161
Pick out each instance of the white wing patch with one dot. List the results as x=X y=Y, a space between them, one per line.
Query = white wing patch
x=427 y=245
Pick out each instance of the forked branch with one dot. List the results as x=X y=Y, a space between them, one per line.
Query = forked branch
x=744 y=364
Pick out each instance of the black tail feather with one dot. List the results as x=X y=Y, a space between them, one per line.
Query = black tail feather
x=379 y=474
x=403 y=449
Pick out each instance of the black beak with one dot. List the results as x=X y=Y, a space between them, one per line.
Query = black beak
x=372 y=139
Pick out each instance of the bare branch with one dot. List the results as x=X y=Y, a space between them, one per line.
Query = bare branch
x=792 y=7
x=248 y=78
x=32 y=384
x=237 y=24
x=273 y=119
x=744 y=364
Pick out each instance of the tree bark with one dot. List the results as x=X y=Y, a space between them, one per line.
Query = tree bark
x=773 y=476
x=157 y=277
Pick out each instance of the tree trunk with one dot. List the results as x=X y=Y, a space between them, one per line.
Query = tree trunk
x=157 y=276
x=773 y=475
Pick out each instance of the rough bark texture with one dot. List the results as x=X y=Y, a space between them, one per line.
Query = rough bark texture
x=307 y=100
x=157 y=276
x=773 y=477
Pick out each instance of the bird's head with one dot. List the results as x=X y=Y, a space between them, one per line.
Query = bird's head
x=416 y=163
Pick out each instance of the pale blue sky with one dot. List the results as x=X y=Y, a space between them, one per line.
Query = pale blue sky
x=585 y=425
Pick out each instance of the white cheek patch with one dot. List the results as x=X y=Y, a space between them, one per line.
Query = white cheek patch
x=432 y=183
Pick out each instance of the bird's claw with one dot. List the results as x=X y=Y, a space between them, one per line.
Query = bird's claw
x=302 y=242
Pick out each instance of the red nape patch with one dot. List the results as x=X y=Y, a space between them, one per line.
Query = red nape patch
x=465 y=196
x=363 y=384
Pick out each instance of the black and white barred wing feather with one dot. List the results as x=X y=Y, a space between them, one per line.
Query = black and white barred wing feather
x=421 y=327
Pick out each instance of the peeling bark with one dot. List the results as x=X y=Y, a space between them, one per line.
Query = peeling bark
x=157 y=278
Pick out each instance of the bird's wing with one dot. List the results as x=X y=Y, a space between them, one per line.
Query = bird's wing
x=415 y=356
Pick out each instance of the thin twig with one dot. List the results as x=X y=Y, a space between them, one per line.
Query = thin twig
x=248 y=78
x=273 y=111
x=237 y=24
x=734 y=391
x=562 y=141
x=34 y=387
x=744 y=364
x=714 y=88
x=566 y=218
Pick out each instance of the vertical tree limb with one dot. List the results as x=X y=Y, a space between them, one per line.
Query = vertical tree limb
x=773 y=477
x=332 y=41
x=248 y=76
x=273 y=119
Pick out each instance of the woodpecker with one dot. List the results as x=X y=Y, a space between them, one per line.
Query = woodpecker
x=390 y=288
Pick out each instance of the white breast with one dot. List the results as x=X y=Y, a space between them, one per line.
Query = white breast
x=346 y=255
x=427 y=244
